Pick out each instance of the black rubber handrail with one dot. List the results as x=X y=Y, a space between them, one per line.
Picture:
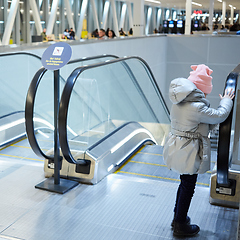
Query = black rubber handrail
x=225 y=135
x=29 y=112
x=65 y=98
x=20 y=53
x=30 y=99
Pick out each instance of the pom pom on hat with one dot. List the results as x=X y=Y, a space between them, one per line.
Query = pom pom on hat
x=200 y=76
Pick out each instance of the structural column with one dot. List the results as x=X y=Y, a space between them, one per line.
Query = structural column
x=138 y=17
x=45 y=11
x=105 y=14
x=210 y=19
x=95 y=15
x=69 y=15
x=129 y=6
x=26 y=23
x=149 y=16
x=232 y=15
x=16 y=31
x=36 y=16
x=10 y=22
x=123 y=15
x=114 y=14
x=82 y=16
x=52 y=17
x=223 y=12
x=188 y=17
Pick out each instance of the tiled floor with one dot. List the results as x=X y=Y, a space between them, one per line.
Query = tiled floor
x=120 y=207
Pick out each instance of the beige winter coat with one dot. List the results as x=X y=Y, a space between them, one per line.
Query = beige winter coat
x=188 y=149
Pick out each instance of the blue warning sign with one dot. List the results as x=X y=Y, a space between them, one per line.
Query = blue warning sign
x=56 y=56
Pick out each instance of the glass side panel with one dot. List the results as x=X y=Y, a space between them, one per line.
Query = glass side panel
x=105 y=97
x=67 y=69
x=17 y=72
x=44 y=103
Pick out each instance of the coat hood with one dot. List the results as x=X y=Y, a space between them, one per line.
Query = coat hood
x=182 y=89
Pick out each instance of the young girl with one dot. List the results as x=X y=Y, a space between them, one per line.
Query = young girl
x=188 y=149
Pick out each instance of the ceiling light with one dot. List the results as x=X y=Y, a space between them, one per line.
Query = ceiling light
x=220 y=0
x=198 y=4
x=153 y=1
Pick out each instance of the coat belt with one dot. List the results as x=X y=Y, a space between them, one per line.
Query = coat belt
x=194 y=135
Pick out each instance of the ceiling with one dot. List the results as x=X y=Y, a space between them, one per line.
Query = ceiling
x=181 y=4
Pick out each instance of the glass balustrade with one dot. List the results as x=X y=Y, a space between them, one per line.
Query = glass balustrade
x=107 y=95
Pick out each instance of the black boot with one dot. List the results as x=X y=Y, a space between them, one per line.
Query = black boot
x=188 y=220
x=185 y=230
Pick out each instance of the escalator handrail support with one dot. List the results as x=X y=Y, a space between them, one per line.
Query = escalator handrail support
x=224 y=139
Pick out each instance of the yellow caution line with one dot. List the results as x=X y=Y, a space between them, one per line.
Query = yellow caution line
x=154 y=164
x=34 y=159
x=151 y=176
x=151 y=153
x=27 y=147
x=128 y=160
x=13 y=145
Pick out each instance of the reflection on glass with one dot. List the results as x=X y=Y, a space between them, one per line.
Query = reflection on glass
x=105 y=97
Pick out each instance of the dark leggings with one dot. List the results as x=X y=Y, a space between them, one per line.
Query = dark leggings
x=184 y=196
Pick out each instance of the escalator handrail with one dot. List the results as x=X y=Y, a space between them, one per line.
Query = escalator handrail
x=20 y=53
x=65 y=98
x=224 y=138
x=29 y=113
x=30 y=99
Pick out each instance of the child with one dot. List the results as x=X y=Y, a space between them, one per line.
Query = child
x=188 y=150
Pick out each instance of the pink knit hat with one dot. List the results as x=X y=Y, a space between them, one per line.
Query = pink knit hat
x=200 y=76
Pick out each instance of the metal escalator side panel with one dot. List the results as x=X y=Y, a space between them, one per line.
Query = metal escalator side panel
x=29 y=113
x=116 y=148
x=224 y=137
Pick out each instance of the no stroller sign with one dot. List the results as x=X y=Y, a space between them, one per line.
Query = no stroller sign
x=56 y=56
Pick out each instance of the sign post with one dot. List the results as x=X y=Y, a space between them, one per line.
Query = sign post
x=55 y=57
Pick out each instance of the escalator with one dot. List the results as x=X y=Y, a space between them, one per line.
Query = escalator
x=225 y=179
x=107 y=112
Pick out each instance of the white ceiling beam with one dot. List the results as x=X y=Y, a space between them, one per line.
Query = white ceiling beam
x=69 y=14
x=10 y=22
x=82 y=16
x=36 y=16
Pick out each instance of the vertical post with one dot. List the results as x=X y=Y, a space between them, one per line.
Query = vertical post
x=95 y=15
x=232 y=15
x=188 y=17
x=149 y=16
x=26 y=23
x=52 y=17
x=46 y=12
x=82 y=17
x=10 y=22
x=105 y=14
x=17 y=27
x=130 y=16
x=123 y=15
x=56 y=140
x=138 y=17
x=36 y=16
x=69 y=15
x=210 y=19
x=114 y=14
x=223 y=12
